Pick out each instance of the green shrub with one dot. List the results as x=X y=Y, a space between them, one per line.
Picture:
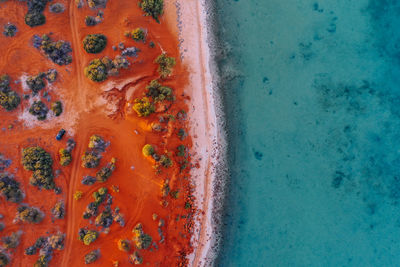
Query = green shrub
x=90 y=159
x=154 y=8
x=96 y=71
x=94 y=43
x=9 y=100
x=51 y=75
x=92 y=256
x=29 y=214
x=159 y=92
x=36 y=83
x=135 y=258
x=4 y=83
x=57 y=108
x=148 y=150
x=138 y=34
x=100 y=195
x=42 y=261
x=165 y=161
x=124 y=245
x=57 y=51
x=96 y=142
x=65 y=157
x=33 y=19
x=58 y=210
x=143 y=107
x=4 y=260
x=39 y=110
x=87 y=236
x=104 y=173
x=12 y=241
x=165 y=64
x=104 y=219
x=10 y=188
x=10 y=30
x=36 y=159
x=141 y=239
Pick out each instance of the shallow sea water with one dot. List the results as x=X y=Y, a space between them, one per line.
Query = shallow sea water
x=313 y=104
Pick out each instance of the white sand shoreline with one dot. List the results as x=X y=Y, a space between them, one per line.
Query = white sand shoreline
x=206 y=128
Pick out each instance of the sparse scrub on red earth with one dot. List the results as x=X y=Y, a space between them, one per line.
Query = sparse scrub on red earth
x=57 y=108
x=143 y=107
x=90 y=159
x=10 y=30
x=98 y=70
x=87 y=236
x=57 y=51
x=29 y=214
x=138 y=34
x=12 y=241
x=94 y=43
x=8 y=98
x=159 y=92
x=92 y=256
x=39 y=110
x=10 y=188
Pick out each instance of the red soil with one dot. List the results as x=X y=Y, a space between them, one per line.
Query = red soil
x=86 y=114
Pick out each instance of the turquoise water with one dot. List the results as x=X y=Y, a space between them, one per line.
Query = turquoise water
x=313 y=113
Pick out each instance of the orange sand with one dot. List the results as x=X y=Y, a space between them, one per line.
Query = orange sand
x=103 y=109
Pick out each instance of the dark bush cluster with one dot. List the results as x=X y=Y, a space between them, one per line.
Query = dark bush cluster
x=39 y=110
x=97 y=3
x=97 y=142
x=99 y=197
x=10 y=30
x=104 y=173
x=124 y=245
x=141 y=239
x=8 y=98
x=99 y=69
x=92 y=256
x=89 y=180
x=4 y=260
x=36 y=159
x=130 y=52
x=4 y=163
x=165 y=65
x=94 y=43
x=57 y=108
x=10 y=188
x=58 y=51
x=58 y=210
x=57 y=8
x=36 y=83
x=154 y=8
x=87 y=236
x=135 y=258
x=12 y=241
x=35 y=16
x=51 y=75
x=105 y=218
x=159 y=92
x=29 y=214
x=46 y=246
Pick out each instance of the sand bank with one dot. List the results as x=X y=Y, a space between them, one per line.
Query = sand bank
x=195 y=24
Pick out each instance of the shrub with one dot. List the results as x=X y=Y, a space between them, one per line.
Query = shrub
x=4 y=260
x=91 y=21
x=34 y=19
x=87 y=236
x=94 y=43
x=124 y=245
x=97 y=3
x=104 y=219
x=36 y=159
x=135 y=258
x=51 y=75
x=36 y=83
x=104 y=173
x=4 y=83
x=96 y=71
x=57 y=108
x=88 y=180
x=130 y=52
x=154 y=8
x=92 y=256
x=9 y=100
x=142 y=240
x=10 y=188
x=138 y=34
x=10 y=30
x=159 y=92
x=165 y=64
x=148 y=150
x=56 y=51
x=90 y=159
x=65 y=157
x=97 y=142
x=29 y=214
x=2 y=226
x=39 y=110
x=58 y=210
x=78 y=195
x=12 y=241
x=143 y=107
x=100 y=195
x=165 y=161
x=57 y=8
x=42 y=261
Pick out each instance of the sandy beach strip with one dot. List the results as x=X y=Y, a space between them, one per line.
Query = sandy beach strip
x=195 y=25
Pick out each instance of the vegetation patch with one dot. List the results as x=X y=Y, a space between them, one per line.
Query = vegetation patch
x=9 y=99
x=57 y=108
x=159 y=92
x=94 y=43
x=135 y=258
x=65 y=157
x=124 y=245
x=87 y=236
x=36 y=159
x=4 y=259
x=154 y=8
x=35 y=16
x=92 y=256
x=36 y=83
x=91 y=159
x=138 y=34
x=104 y=173
x=12 y=241
x=143 y=107
x=57 y=51
x=58 y=210
x=29 y=214
x=46 y=246
x=57 y=8
x=148 y=150
x=10 y=188
x=98 y=70
x=141 y=239
x=165 y=65
x=10 y=30
x=39 y=110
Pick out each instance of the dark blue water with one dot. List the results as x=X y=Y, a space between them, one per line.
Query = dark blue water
x=312 y=99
